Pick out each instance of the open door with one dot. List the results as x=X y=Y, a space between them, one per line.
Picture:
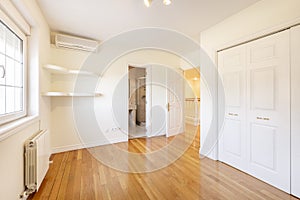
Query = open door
x=139 y=92
x=175 y=106
x=148 y=100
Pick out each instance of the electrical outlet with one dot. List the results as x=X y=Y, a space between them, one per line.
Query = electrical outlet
x=115 y=129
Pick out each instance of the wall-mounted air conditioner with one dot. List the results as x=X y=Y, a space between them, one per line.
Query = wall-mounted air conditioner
x=72 y=42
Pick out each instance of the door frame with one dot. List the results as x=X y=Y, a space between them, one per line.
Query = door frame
x=149 y=99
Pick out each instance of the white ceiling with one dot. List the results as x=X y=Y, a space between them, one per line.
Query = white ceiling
x=100 y=19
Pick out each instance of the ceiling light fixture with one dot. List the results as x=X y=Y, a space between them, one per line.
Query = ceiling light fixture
x=167 y=2
x=147 y=3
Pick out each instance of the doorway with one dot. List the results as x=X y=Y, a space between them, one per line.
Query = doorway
x=137 y=102
x=156 y=101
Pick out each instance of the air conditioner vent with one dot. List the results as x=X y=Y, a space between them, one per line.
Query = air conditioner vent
x=72 y=42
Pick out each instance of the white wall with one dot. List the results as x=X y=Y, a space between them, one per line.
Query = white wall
x=259 y=17
x=63 y=131
x=64 y=134
x=256 y=20
x=11 y=148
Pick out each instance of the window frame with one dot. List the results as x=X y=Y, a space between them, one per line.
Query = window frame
x=7 y=118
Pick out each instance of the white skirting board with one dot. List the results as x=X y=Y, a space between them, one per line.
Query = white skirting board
x=82 y=146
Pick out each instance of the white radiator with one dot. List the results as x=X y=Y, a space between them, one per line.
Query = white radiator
x=36 y=160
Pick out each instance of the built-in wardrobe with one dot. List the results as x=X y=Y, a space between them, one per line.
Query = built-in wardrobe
x=259 y=94
x=295 y=114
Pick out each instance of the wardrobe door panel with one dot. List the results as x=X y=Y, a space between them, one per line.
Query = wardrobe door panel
x=232 y=144
x=295 y=108
x=231 y=83
x=263 y=88
x=268 y=109
x=264 y=137
x=232 y=135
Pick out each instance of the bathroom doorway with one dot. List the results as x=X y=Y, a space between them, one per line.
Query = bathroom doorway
x=137 y=109
x=156 y=99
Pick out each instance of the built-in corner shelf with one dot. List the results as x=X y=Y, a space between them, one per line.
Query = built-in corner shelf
x=54 y=69
x=70 y=94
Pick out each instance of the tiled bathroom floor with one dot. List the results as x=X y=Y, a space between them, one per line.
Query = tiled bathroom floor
x=137 y=132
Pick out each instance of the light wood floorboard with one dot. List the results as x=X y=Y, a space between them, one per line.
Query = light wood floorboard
x=78 y=175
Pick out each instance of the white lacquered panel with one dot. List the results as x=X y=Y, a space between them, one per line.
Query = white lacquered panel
x=232 y=137
x=263 y=53
x=232 y=60
x=262 y=88
x=232 y=144
x=232 y=85
x=268 y=113
x=263 y=146
x=295 y=108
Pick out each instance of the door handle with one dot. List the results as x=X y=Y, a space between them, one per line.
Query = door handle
x=2 y=71
x=233 y=114
x=168 y=106
x=263 y=118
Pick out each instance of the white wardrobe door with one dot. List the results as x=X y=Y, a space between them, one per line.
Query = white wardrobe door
x=295 y=108
x=232 y=144
x=255 y=136
x=268 y=109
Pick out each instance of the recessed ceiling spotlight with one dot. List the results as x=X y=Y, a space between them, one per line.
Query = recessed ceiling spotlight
x=167 y=2
x=147 y=3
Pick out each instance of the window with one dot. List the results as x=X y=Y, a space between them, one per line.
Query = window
x=12 y=72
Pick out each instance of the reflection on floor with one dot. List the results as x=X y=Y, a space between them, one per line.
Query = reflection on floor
x=137 y=132
x=141 y=131
x=79 y=175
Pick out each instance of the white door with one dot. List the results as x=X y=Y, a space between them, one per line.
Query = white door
x=175 y=106
x=295 y=111
x=256 y=133
x=148 y=100
x=158 y=101
x=268 y=109
x=232 y=69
